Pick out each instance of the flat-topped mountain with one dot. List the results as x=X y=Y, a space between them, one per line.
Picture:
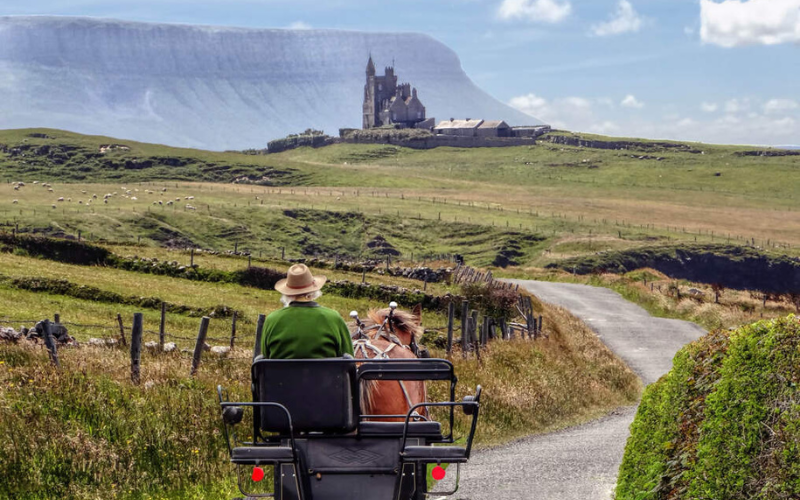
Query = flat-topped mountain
x=214 y=87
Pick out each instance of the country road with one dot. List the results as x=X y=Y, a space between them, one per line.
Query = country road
x=580 y=463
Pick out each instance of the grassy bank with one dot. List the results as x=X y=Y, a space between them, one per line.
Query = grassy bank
x=723 y=423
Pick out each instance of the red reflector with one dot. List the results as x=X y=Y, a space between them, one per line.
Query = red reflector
x=438 y=473
x=258 y=474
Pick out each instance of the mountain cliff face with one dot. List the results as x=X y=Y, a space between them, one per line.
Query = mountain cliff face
x=212 y=87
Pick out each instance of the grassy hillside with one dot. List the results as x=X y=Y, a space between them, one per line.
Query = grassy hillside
x=723 y=423
x=86 y=432
x=538 y=204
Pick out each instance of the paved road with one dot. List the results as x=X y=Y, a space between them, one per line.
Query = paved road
x=580 y=463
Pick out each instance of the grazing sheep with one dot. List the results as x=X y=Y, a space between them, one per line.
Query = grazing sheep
x=190 y=197
x=134 y=198
x=36 y=182
x=170 y=202
x=80 y=202
x=16 y=188
x=189 y=207
x=50 y=189
x=83 y=191
x=15 y=202
x=105 y=201
x=160 y=202
x=54 y=207
x=94 y=196
x=60 y=199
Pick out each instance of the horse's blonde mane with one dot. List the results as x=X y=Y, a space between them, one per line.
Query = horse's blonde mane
x=401 y=320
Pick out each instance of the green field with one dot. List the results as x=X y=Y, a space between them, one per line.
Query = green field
x=529 y=205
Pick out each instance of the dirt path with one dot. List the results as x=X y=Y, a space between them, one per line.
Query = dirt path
x=580 y=463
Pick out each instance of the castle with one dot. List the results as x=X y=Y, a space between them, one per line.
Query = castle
x=387 y=103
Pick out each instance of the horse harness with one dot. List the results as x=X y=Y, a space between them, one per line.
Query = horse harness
x=362 y=344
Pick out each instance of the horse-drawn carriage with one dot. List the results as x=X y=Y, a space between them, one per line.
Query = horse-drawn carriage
x=310 y=427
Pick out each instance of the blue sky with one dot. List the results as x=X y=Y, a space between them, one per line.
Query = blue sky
x=709 y=70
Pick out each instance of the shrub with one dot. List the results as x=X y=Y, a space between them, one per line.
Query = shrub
x=492 y=301
x=723 y=423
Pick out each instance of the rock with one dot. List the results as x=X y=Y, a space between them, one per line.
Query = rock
x=9 y=335
x=97 y=342
x=111 y=342
x=151 y=345
x=170 y=347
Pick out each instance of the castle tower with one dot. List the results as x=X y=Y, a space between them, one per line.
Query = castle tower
x=387 y=103
x=370 y=99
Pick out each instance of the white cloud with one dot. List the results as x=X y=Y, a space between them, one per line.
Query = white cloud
x=734 y=23
x=299 y=25
x=624 y=20
x=605 y=128
x=630 y=101
x=709 y=107
x=569 y=113
x=539 y=11
x=780 y=105
x=737 y=105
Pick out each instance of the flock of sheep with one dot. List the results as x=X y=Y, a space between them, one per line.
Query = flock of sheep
x=127 y=193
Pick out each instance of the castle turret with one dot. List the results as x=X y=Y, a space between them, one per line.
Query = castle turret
x=370 y=67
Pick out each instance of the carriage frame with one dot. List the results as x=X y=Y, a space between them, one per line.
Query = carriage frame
x=307 y=426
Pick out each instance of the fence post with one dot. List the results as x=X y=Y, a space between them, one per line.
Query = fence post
x=191 y=259
x=162 y=326
x=473 y=332
x=464 y=327
x=540 y=324
x=451 y=309
x=121 y=331
x=259 y=328
x=50 y=343
x=201 y=340
x=136 y=348
x=233 y=328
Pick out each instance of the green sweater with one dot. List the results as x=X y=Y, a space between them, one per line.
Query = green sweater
x=305 y=330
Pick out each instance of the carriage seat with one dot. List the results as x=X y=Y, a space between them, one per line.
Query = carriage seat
x=427 y=430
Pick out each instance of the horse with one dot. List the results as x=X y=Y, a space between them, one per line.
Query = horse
x=390 y=334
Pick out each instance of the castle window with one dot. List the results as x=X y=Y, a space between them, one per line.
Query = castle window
x=380 y=86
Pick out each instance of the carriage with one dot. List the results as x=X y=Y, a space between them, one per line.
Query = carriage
x=305 y=422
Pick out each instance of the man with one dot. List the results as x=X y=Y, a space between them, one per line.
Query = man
x=303 y=329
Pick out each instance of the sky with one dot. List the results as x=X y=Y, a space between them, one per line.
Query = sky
x=722 y=71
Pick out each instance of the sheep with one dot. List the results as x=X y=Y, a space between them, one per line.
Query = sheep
x=51 y=190
x=189 y=207
x=134 y=198
x=16 y=188
x=83 y=191
x=190 y=197
x=54 y=207
x=60 y=199
x=15 y=202
x=69 y=200
x=105 y=201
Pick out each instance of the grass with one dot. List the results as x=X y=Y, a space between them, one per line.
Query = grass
x=553 y=204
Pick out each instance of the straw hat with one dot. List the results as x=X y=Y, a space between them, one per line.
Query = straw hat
x=299 y=281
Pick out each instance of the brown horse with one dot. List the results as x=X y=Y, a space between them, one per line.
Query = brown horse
x=390 y=334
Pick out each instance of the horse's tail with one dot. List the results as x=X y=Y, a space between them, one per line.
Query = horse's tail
x=368 y=388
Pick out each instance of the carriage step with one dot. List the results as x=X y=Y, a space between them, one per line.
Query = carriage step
x=430 y=430
x=430 y=454
x=257 y=455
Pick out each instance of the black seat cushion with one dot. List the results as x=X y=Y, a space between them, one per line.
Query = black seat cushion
x=431 y=430
x=255 y=455
x=447 y=454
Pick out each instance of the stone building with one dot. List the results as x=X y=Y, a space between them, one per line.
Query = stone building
x=474 y=128
x=387 y=103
